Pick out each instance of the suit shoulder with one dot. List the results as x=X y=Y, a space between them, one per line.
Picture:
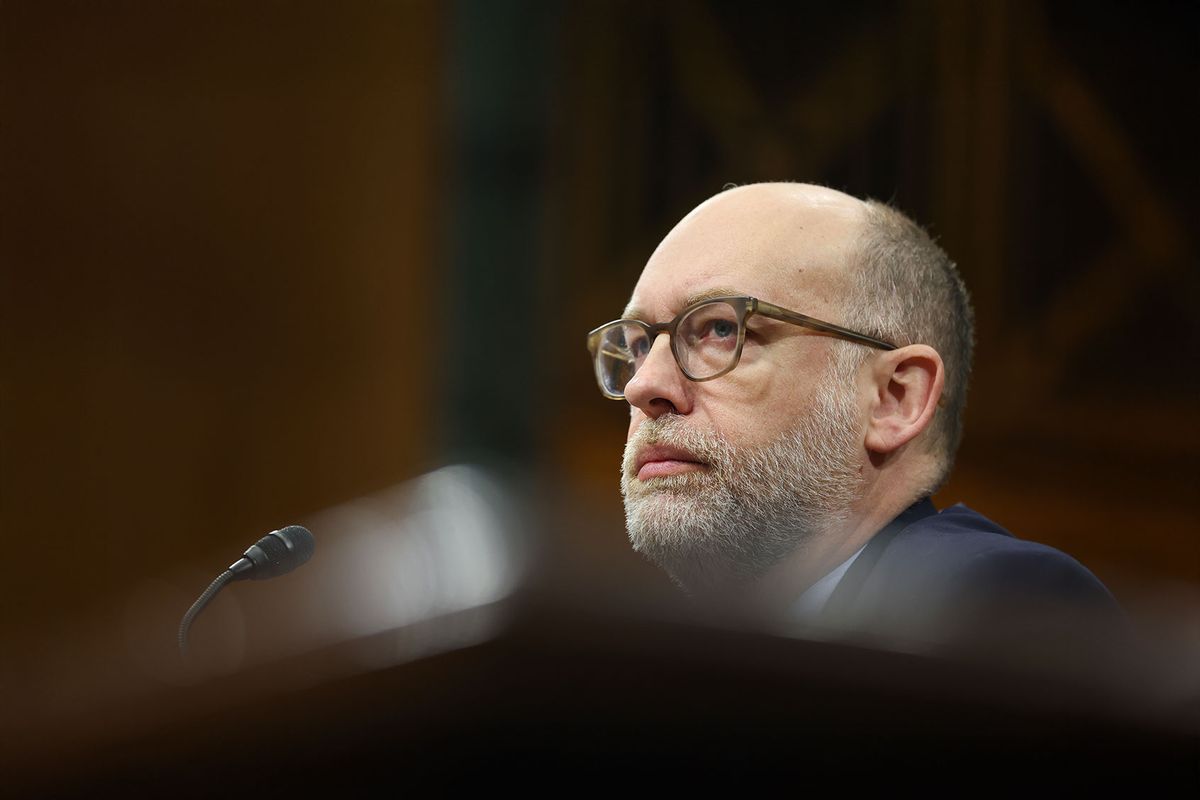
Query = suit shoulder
x=964 y=557
x=948 y=540
x=956 y=577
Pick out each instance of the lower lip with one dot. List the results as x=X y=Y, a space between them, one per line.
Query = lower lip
x=657 y=469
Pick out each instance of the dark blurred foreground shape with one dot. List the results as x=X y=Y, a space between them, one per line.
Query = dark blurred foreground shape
x=569 y=698
x=429 y=645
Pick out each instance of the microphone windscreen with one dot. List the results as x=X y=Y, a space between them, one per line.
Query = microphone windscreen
x=280 y=552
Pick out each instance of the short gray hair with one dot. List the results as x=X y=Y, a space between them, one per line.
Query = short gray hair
x=905 y=289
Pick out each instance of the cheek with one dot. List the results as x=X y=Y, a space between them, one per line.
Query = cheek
x=758 y=414
x=736 y=422
x=779 y=377
x=749 y=427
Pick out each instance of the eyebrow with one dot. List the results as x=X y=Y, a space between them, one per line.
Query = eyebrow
x=631 y=312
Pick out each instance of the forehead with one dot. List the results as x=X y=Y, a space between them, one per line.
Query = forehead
x=784 y=243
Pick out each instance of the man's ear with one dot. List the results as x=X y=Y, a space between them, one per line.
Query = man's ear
x=906 y=385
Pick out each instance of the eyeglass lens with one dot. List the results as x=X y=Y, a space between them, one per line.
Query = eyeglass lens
x=706 y=340
x=705 y=344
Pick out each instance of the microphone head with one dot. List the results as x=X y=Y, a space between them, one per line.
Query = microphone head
x=279 y=552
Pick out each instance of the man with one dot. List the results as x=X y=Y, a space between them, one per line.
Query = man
x=806 y=399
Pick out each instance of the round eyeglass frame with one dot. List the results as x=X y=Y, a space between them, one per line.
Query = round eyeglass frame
x=744 y=307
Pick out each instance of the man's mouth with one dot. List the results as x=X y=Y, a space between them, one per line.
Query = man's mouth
x=657 y=461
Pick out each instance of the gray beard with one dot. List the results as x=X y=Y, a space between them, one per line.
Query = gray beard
x=720 y=528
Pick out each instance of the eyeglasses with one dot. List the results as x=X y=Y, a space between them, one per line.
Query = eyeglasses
x=706 y=340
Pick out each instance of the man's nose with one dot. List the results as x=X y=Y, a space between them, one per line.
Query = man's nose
x=660 y=387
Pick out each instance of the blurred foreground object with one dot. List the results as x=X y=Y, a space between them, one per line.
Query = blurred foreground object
x=422 y=650
x=563 y=693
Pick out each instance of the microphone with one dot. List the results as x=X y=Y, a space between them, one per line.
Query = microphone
x=277 y=553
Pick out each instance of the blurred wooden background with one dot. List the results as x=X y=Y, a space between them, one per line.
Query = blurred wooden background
x=260 y=259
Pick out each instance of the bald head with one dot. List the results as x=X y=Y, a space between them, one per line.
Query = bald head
x=782 y=198
x=785 y=242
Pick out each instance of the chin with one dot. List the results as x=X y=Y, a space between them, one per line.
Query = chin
x=702 y=560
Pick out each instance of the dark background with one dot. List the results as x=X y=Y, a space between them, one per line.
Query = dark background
x=259 y=259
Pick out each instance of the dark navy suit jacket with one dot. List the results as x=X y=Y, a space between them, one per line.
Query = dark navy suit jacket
x=954 y=577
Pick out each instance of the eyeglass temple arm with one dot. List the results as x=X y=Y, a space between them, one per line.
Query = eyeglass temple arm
x=775 y=312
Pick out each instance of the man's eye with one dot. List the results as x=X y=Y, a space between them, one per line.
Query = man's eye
x=722 y=328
